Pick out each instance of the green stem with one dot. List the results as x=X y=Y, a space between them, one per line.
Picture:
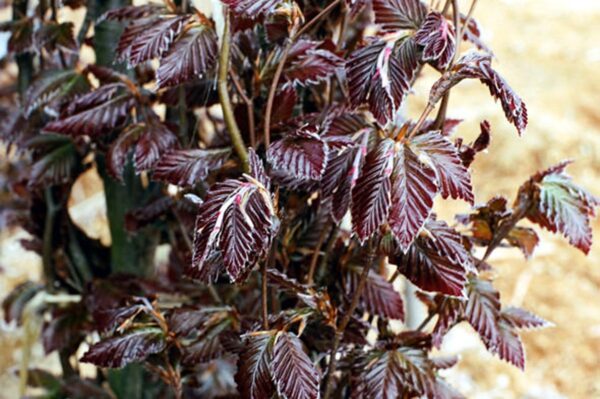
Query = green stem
x=228 y=115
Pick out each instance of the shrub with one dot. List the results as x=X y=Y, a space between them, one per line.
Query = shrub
x=268 y=148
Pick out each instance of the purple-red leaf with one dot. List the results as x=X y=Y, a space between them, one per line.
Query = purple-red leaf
x=132 y=347
x=153 y=40
x=522 y=319
x=393 y=373
x=562 y=206
x=254 y=376
x=119 y=150
x=447 y=242
x=53 y=88
x=251 y=8
x=394 y=15
x=481 y=143
x=95 y=113
x=151 y=140
x=371 y=196
x=452 y=176
x=131 y=12
x=202 y=351
x=473 y=33
x=413 y=189
x=301 y=154
x=188 y=167
x=483 y=309
x=479 y=66
x=257 y=169
x=311 y=65
x=450 y=310
x=507 y=345
x=293 y=371
x=437 y=37
x=341 y=175
x=380 y=74
x=190 y=57
x=379 y=296
x=154 y=141
x=57 y=163
x=430 y=271
x=235 y=222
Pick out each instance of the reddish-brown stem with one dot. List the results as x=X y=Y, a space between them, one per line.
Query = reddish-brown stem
x=466 y=24
x=425 y=321
x=272 y=90
x=249 y=106
x=341 y=328
x=315 y=256
x=441 y=116
x=263 y=302
x=428 y=109
x=279 y=70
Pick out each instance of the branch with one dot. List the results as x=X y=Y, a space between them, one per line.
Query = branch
x=228 y=115
x=263 y=297
x=346 y=319
x=279 y=70
x=47 y=248
x=441 y=116
x=315 y=256
x=249 y=106
x=523 y=205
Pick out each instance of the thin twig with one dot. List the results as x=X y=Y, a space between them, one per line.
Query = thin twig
x=272 y=90
x=315 y=256
x=279 y=70
x=346 y=319
x=264 y=293
x=315 y=19
x=264 y=286
x=183 y=119
x=428 y=109
x=228 y=114
x=47 y=248
x=249 y=106
x=441 y=116
x=465 y=24
x=190 y=246
x=425 y=321
x=330 y=243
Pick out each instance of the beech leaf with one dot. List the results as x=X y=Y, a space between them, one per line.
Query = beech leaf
x=437 y=37
x=301 y=154
x=413 y=190
x=371 y=196
x=119 y=351
x=254 y=375
x=293 y=372
x=379 y=296
x=394 y=15
x=191 y=57
x=562 y=206
x=189 y=167
x=452 y=176
x=154 y=39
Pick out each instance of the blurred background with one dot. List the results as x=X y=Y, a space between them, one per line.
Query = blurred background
x=549 y=52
